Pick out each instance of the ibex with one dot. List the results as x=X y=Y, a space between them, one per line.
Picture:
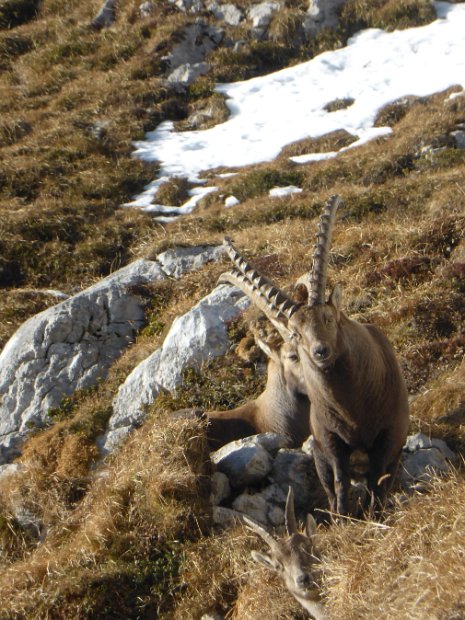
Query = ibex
x=350 y=371
x=283 y=406
x=295 y=558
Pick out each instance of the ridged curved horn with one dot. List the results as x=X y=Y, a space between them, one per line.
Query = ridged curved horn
x=266 y=536
x=275 y=316
x=276 y=305
x=289 y=516
x=317 y=276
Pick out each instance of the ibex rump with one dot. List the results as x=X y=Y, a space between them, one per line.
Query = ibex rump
x=350 y=371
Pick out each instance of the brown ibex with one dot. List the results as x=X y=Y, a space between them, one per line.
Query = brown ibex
x=352 y=377
x=295 y=558
x=283 y=407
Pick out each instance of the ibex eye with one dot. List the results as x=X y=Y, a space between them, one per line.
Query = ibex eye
x=294 y=357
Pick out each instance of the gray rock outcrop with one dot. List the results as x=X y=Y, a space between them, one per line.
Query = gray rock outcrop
x=194 y=338
x=322 y=14
x=228 y=13
x=178 y=261
x=72 y=344
x=186 y=60
x=67 y=347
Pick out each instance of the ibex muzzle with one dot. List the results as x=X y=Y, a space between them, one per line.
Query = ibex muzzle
x=350 y=372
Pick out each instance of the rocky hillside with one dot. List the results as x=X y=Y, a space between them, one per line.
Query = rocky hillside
x=112 y=318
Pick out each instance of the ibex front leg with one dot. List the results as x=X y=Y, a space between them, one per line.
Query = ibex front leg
x=333 y=468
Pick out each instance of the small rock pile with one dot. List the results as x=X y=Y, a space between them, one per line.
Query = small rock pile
x=253 y=476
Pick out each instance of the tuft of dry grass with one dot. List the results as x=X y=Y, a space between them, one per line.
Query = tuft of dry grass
x=125 y=534
x=410 y=567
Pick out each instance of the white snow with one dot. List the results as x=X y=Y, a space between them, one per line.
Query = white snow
x=231 y=201
x=282 y=192
x=271 y=111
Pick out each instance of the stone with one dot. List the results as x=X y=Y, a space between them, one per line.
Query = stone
x=295 y=468
x=67 y=347
x=261 y=14
x=243 y=461
x=322 y=14
x=199 y=39
x=106 y=15
x=266 y=507
x=10 y=469
x=220 y=488
x=178 y=261
x=272 y=442
x=459 y=137
x=231 y=201
x=225 y=517
x=146 y=9
x=188 y=6
x=194 y=338
x=186 y=74
x=421 y=466
x=228 y=13
x=420 y=441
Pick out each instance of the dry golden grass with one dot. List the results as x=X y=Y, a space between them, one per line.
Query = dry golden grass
x=410 y=567
x=128 y=529
x=131 y=538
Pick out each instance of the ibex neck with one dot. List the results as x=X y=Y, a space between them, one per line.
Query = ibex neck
x=315 y=609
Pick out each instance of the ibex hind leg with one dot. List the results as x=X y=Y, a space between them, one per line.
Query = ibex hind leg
x=383 y=469
x=334 y=475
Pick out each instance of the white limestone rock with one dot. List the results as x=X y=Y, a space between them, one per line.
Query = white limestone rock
x=199 y=39
x=420 y=441
x=194 y=338
x=185 y=74
x=266 y=507
x=67 y=347
x=228 y=13
x=321 y=14
x=261 y=14
x=177 y=261
x=231 y=201
x=244 y=461
x=220 y=488
x=295 y=468
x=188 y=6
x=146 y=8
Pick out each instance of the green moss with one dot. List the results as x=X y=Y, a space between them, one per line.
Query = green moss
x=219 y=384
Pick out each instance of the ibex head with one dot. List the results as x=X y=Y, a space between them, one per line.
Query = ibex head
x=294 y=557
x=310 y=327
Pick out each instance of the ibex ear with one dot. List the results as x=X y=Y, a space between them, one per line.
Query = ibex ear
x=300 y=293
x=310 y=526
x=266 y=560
x=335 y=299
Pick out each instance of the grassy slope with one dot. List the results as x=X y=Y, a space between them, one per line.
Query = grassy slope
x=136 y=540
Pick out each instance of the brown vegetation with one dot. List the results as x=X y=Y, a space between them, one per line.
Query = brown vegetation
x=132 y=538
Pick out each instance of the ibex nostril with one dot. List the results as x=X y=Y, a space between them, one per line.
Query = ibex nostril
x=303 y=581
x=321 y=351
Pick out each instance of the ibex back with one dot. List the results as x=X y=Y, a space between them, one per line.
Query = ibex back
x=283 y=407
